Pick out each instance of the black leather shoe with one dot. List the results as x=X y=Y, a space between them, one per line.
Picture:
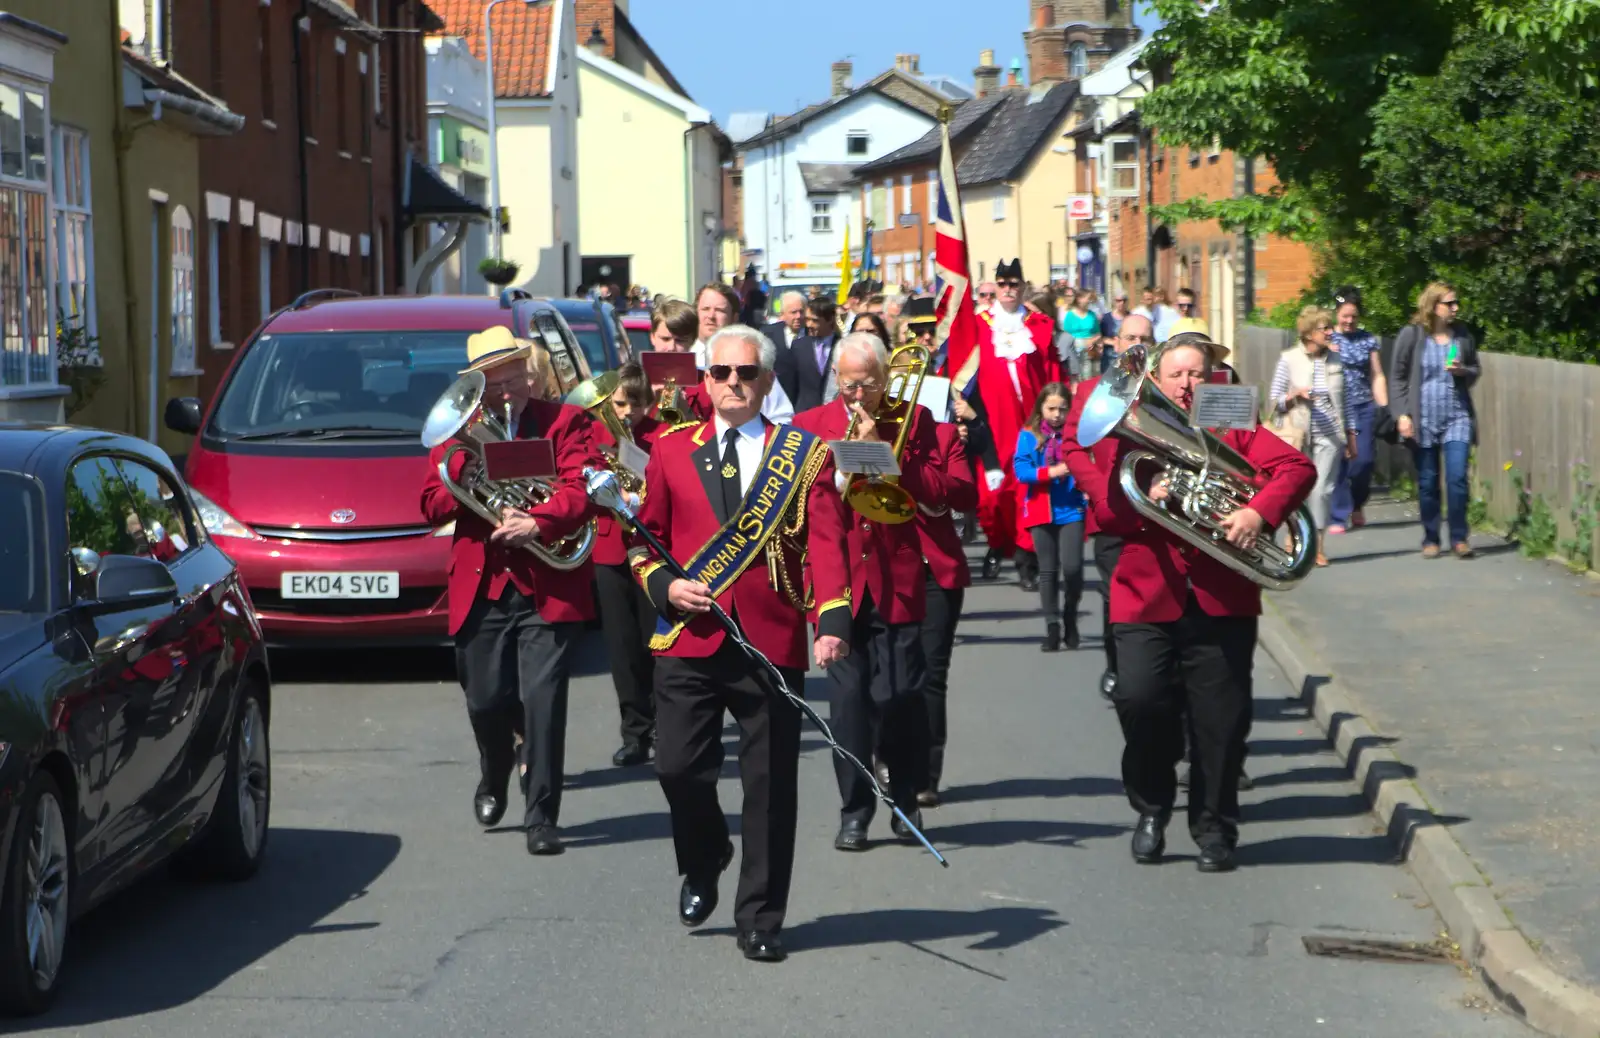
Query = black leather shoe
x=697 y=899
x=905 y=835
x=1108 y=685
x=543 y=839
x=1069 y=635
x=1052 y=638
x=991 y=565
x=631 y=754
x=852 y=837
x=761 y=947
x=1216 y=856
x=928 y=798
x=487 y=806
x=1150 y=838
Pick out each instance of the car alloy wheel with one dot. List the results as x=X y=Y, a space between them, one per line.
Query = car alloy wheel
x=45 y=891
x=255 y=784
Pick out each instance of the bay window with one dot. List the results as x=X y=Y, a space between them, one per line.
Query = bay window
x=27 y=339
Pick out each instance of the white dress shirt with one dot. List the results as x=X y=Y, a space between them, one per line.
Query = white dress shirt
x=777 y=408
x=750 y=446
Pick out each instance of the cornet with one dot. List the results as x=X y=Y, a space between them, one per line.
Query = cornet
x=882 y=498
x=460 y=415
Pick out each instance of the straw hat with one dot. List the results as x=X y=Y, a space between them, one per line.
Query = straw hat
x=494 y=346
x=1196 y=335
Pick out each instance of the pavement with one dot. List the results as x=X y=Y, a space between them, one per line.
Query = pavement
x=1470 y=687
x=383 y=909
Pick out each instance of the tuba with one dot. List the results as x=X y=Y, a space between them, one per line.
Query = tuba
x=1207 y=479
x=459 y=415
x=882 y=498
x=594 y=395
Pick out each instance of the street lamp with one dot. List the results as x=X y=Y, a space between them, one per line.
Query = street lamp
x=494 y=142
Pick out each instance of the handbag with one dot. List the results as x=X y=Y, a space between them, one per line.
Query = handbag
x=1384 y=425
x=1284 y=426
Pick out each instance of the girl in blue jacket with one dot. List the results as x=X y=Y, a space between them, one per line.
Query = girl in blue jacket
x=1052 y=511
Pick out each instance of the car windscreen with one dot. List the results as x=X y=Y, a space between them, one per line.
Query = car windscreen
x=23 y=573
x=592 y=341
x=640 y=337
x=338 y=384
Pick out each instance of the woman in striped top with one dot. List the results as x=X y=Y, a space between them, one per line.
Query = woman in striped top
x=1308 y=389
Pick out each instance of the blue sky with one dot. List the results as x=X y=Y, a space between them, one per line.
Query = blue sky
x=756 y=55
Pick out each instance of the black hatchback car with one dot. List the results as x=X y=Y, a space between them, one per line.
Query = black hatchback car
x=134 y=692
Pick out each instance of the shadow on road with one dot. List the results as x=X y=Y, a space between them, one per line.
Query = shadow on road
x=166 y=943
x=1376 y=849
x=1001 y=832
x=1027 y=788
x=991 y=929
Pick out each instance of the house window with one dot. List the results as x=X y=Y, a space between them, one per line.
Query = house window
x=998 y=210
x=26 y=323
x=264 y=22
x=309 y=67
x=821 y=216
x=341 y=101
x=880 y=206
x=1078 y=60
x=905 y=194
x=1125 y=167
x=855 y=142
x=366 y=110
x=933 y=195
x=74 y=244
x=183 y=331
x=216 y=240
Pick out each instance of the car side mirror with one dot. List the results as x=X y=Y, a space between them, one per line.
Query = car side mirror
x=183 y=415
x=126 y=581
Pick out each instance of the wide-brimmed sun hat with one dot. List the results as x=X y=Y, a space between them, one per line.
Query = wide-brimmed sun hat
x=494 y=346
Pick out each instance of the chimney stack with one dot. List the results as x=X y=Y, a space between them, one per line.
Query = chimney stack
x=601 y=17
x=841 y=77
x=986 y=77
x=910 y=64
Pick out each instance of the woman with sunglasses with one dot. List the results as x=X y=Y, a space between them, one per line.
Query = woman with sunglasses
x=1435 y=367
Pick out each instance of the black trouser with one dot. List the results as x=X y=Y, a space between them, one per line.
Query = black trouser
x=514 y=666
x=691 y=695
x=1107 y=550
x=1203 y=664
x=1060 y=552
x=938 y=643
x=876 y=701
x=627 y=619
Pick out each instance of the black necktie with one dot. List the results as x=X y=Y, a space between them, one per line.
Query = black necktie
x=730 y=473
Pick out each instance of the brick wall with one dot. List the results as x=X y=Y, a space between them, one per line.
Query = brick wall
x=358 y=129
x=892 y=239
x=603 y=12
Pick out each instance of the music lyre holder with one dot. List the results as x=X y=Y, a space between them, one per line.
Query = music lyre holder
x=603 y=489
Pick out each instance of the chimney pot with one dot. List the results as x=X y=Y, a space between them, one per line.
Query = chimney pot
x=841 y=77
x=914 y=64
x=986 y=57
x=1044 y=16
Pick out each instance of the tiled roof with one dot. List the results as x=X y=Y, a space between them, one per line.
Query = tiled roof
x=825 y=178
x=969 y=117
x=1009 y=141
x=928 y=98
x=522 y=38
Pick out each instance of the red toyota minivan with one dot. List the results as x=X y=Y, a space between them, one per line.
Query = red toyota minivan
x=308 y=464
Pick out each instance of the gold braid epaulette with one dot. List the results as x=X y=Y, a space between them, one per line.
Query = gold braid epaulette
x=790 y=525
x=680 y=427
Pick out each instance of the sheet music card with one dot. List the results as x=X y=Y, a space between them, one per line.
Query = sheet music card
x=1224 y=407
x=519 y=459
x=864 y=458
x=632 y=457
x=660 y=367
x=935 y=396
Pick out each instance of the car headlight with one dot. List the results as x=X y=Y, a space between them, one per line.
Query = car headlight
x=217 y=522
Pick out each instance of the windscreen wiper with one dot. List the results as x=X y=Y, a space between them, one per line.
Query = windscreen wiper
x=365 y=432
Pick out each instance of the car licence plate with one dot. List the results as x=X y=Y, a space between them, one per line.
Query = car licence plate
x=340 y=585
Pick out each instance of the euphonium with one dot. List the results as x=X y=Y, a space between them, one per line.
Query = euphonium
x=882 y=498
x=1207 y=479
x=459 y=415
x=594 y=395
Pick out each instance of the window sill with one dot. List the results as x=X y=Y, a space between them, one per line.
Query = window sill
x=32 y=392
x=269 y=124
x=367 y=159
x=310 y=139
x=345 y=154
x=185 y=373
x=222 y=345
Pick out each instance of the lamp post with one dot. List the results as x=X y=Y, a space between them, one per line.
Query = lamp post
x=494 y=141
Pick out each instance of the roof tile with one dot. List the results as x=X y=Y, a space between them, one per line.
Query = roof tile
x=521 y=42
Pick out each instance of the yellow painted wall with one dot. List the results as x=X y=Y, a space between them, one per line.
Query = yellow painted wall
x=1044 y=185
x=164 y=159
x=526 y=188
x=84 y=96
x=989 y=240
x=632 y=151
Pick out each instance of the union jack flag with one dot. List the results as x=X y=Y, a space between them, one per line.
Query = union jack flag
x=958 y=324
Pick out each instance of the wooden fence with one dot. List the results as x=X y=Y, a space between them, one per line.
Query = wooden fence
x=1535 y=416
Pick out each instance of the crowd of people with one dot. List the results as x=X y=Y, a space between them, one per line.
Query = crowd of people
x=743 y=510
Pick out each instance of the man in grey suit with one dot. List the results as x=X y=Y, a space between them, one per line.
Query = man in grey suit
x=791 y=322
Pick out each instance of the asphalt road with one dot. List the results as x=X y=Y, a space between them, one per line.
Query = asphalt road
x=383 y=909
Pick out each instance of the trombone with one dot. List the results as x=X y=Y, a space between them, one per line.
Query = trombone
x=882 y=498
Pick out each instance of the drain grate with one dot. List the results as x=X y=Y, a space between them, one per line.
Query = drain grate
x=1377 y=949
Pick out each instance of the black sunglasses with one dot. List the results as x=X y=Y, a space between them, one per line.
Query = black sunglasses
x=746 y=372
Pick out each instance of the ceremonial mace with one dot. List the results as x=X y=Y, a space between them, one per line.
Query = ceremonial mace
x=604 y=490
